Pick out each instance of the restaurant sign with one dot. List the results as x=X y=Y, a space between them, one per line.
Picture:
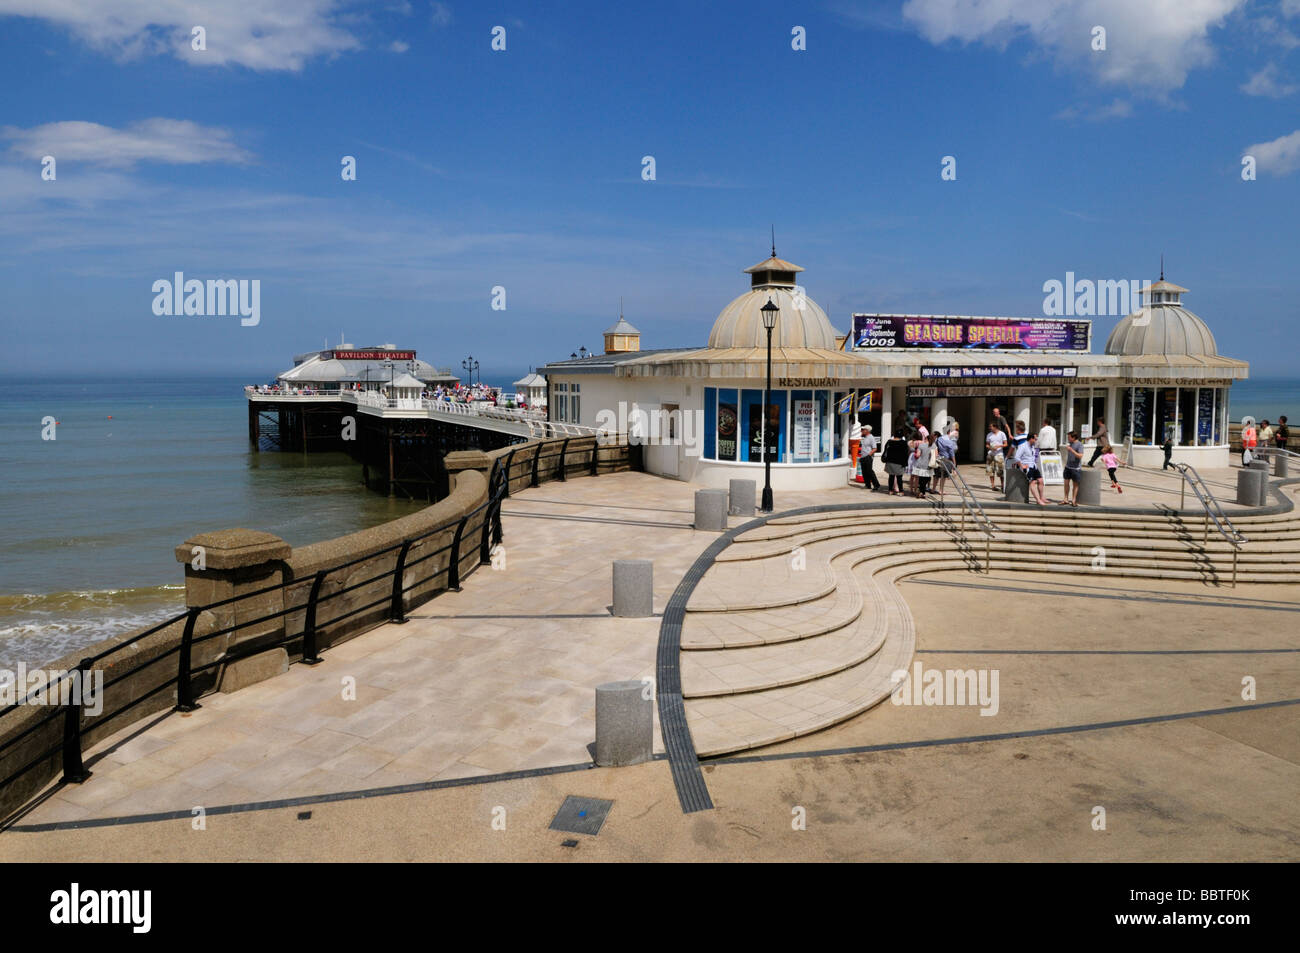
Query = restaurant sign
x=807 y=382
x=875 y=331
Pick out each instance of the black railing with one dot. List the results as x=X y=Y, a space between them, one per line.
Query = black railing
x=481 y=524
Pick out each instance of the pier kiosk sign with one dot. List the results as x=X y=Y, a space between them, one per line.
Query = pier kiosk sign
x=873 y=331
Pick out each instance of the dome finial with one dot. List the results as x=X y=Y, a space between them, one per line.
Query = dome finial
x=1162 y=266
x=774 y=240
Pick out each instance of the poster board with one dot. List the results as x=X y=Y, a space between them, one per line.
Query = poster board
x=1050 y=465
x=805 y=419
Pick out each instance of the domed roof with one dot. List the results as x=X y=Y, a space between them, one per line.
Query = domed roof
x=801 y=323
x=1162 y=326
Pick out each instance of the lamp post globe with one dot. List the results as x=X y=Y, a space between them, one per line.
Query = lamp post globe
x=770 y=312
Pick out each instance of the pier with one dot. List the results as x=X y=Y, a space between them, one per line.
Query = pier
x=400 y=441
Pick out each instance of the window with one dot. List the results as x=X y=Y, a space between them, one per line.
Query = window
x=575 y=405
x=710 y=423
x=562 y=402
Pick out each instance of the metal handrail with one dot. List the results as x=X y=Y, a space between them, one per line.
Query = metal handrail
x=1213 y=511
x=488 y=527
x=978 y=516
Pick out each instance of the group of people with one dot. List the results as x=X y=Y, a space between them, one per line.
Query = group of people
x=926 y=459
x=1253 y=439
x=1004 y=447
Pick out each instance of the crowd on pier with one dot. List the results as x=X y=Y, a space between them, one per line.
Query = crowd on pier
x=920 y=462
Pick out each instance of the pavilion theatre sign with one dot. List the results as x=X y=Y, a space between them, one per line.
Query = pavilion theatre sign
x=369 y=356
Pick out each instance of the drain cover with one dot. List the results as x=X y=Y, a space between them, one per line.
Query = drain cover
x=581 y=815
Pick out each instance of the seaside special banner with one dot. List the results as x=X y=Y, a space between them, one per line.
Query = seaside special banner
x=871 y=331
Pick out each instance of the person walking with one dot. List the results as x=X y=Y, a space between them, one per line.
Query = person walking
x=995 y=445
x=1047 y=438
x=1168 y=448
x=868 y=460
x=1111 y=463
x=895 y=456
x=926 y=462
x=1001 y=423
x=1073 y=467
x=946 y=446
x=1282 y=434
x=1248 y=438
x=1100 y=436
x=855 y=445
x=1019 y=439
x=1027 y=461
x=914 y=442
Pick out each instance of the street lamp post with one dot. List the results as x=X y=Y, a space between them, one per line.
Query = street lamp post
x=471 y=365
x=770 y=312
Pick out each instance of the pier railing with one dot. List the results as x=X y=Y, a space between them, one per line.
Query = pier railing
x=47 y=729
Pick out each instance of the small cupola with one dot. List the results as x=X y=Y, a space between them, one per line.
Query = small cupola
x=621 y=337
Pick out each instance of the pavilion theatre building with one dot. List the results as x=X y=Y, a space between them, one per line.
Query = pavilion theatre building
x=699 y=412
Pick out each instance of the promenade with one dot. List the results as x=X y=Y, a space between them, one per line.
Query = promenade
x=1113 y=693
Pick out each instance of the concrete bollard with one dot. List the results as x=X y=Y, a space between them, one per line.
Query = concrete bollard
x=741 y=497
x=1089 y=487
x=1017 y=486
x=1250 y=487
x=711 y=510
x=1280 y=468
x=1259 y=463
x=624 y=723
x=633 y=588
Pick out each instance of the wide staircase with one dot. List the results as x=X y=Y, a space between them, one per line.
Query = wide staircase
x=798 y=624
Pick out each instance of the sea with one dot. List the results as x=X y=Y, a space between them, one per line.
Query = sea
x=90 y=519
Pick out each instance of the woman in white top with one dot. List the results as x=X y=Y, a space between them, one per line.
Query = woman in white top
x=926 y=461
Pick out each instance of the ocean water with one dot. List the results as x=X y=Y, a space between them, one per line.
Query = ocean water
x=1266 y=398
x=90 y=519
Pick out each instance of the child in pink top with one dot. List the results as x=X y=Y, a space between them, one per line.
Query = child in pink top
x=1111 y=463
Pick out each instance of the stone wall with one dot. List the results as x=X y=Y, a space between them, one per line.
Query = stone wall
x=355 y=595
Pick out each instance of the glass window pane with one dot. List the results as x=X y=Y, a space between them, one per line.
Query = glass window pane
x=728 y=423
x=710 y=423
x=778 y=424
x=803 y=422
x=751 y=425
x=1204 y=416
x=1166 y=411
x=825 y=414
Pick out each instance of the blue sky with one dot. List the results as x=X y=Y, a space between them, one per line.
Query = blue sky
x=522 y=168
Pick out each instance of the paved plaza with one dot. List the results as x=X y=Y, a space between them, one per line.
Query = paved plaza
x=499 y=678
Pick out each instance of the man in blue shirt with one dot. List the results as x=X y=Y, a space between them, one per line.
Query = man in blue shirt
x=1027 y=461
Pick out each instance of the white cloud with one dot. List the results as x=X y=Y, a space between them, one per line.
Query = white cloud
x=1291 y=8
x=1268 y=82
x=1151 y=46
x=1117 y=109
x=258 y=34
x=1277 y=157
x=397 y=46
x=440 y=14
x=174 y=141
